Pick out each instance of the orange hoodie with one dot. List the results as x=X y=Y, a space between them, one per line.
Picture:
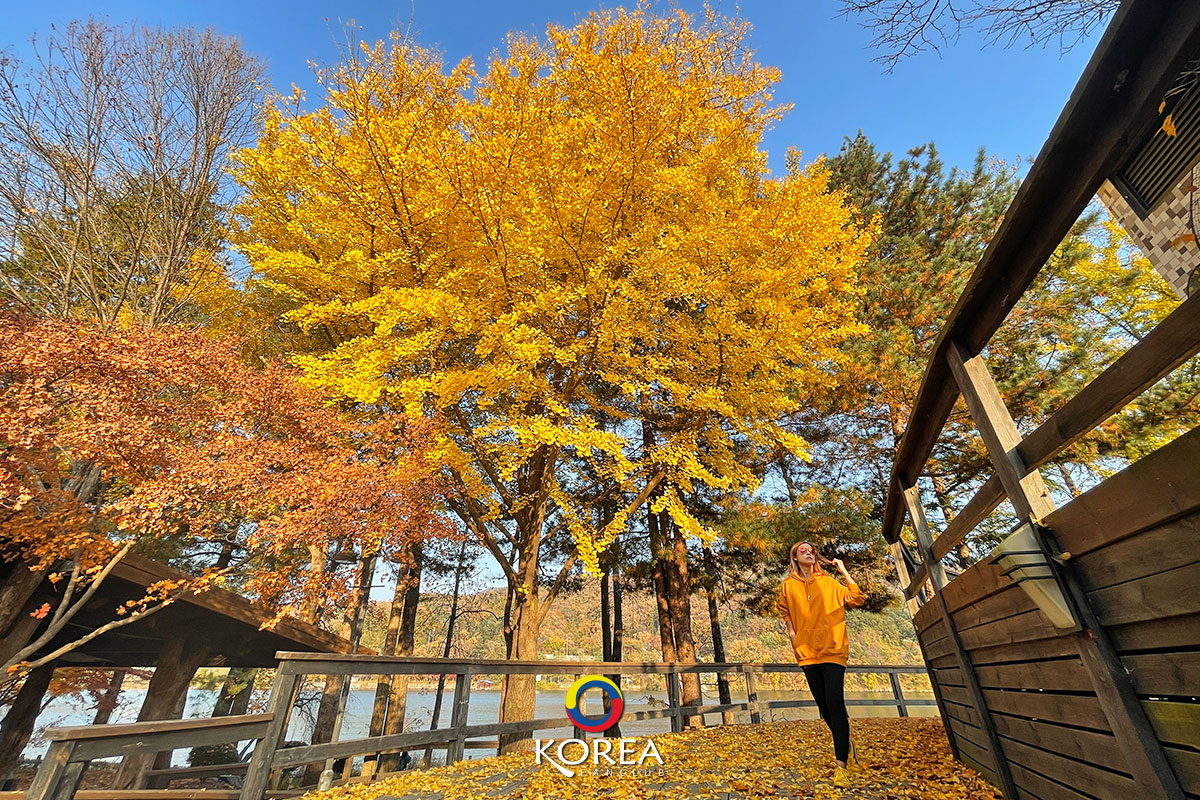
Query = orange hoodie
x=816 y=609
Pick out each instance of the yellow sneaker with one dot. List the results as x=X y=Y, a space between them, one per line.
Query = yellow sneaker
x=841 y=777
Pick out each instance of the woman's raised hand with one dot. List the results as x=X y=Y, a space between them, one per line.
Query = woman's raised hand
x=837 y=562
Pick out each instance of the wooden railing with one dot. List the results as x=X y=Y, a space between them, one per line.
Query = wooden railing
x=71 y=748
x=270 y=755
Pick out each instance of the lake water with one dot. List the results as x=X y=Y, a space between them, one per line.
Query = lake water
x=484 y=708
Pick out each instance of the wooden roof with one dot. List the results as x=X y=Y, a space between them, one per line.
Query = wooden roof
x=227 y=622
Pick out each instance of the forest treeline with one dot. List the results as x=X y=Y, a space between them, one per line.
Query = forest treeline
x=549 y=318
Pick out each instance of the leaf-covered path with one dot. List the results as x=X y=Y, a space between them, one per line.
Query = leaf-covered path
x=902 y=758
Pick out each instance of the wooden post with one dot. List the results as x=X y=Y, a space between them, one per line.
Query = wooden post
x=1030 y=498
x=751 y=697
x=905 y=578
x=52 y=772
x=578 y=732
x=458 y=716
x=937 y=579
x=898 y=693
x=279 y=705
x=673 y=702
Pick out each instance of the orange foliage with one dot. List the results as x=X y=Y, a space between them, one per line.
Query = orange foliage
x=127 y=436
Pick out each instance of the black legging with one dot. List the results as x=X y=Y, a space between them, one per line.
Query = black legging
x=827 y=684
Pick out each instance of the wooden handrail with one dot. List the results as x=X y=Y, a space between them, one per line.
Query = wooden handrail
x=143 y=729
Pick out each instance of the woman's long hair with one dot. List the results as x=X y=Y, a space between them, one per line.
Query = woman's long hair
x=816 y=567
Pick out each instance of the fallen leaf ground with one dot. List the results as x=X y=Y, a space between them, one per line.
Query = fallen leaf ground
x=903 y=758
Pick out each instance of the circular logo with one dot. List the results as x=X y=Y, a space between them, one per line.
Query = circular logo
x=575 y=694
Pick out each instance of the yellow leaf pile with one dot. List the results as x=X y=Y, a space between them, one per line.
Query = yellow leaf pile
x=902 y=758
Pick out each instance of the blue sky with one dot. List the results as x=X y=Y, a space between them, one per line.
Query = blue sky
x=1003 y=99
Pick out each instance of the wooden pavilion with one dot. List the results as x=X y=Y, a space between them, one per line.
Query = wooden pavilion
x=1071 y=668
x=215 y=628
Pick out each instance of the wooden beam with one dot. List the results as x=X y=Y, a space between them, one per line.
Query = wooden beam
x=982 y=503
x=905 y=578
x=1171 y=342
x=1112 y=110
x=279 y=706
x=916 y=512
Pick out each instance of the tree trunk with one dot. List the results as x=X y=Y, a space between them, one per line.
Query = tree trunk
x=408 y=592
x=718 y=641
x=520 y=691
x=336 y=686
x=666 y=631
x=20 y=582
x=234 y=698
x=112 y=693
x=679 y=598
x=441 y=684
x=165 y=698
x=17 y=726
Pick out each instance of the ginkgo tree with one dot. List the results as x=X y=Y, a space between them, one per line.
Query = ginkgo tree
x=577 y=241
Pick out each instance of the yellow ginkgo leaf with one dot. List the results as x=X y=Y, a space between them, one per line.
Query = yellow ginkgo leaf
x=1168 y=125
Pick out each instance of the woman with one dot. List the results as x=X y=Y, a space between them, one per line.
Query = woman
x=812 y=605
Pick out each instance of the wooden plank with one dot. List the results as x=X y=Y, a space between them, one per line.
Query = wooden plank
x=1143 y=50
x=51 y=771
x=1173 y=341
x=1025 y=488
x=1167 y=594
x=84 y=732
x=1172 y=632
x=943 y=662
x=126 y=744
x=1155 y=490
x=1176 y=674
x=1025 y=627
x=1081 y=775
x=279 y=705
x=961 y=712
x=1086 y=745
x=982 y=503
x=1008 y=602
x=951 y=676
x=974 y=735
x=458 y=715
x=935 y=630
x=1174 y=544
x=1065 y=675
x=1174 y=722
x=977 y=758
x=926 y=616
x=308 y=754
x=1034 y=650
x=1081 y=711
x=1187 y=766
x=1039 y=787
x=978 y=581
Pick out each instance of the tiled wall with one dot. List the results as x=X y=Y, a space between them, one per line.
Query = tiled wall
x=1168 y=236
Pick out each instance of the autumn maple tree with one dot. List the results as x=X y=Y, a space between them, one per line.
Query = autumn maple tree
x=114 y=440
x=550 y=254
